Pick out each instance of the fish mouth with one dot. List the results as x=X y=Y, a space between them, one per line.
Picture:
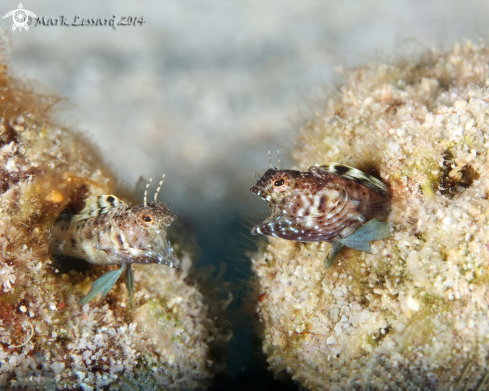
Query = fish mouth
x=172 y=218
x=166 y=255
x=264 y=228
x=257 y=229
x=258 y=192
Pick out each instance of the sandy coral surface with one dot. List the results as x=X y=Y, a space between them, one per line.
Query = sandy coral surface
x=413 y=314
x=48 y=341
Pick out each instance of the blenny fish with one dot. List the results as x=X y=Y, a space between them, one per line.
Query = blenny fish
x=108 y=232
x=328 y=202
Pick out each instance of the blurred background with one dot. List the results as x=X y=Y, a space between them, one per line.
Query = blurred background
x=204 y=89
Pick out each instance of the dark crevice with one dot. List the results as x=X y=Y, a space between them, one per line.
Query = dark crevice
x=458 y=183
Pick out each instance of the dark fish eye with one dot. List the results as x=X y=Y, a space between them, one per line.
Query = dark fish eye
x=279 y=182
x=146 y=219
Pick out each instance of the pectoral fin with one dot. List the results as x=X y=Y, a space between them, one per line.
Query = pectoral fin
x=103 y=285
x=360 y=239
x=335 y=249
x=129 y=280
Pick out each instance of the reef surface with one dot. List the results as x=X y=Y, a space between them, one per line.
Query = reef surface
x=48 y=341
x=414 y=313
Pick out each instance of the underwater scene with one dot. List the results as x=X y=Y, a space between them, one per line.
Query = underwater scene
x=244 y=195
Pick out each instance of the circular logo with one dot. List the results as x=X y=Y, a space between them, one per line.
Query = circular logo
x=20 y=18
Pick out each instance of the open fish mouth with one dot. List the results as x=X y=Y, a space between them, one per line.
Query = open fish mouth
x=164 y=252
x=260 y=229
x=264 y=227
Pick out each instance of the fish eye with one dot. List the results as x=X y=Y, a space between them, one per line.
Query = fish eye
x=146 y=219
x=279 y=182
x=282 y=184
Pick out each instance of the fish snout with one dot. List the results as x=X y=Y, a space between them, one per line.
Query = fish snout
x=258 y=192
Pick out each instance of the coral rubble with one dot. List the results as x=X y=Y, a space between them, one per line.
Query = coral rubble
x=414 y=314
x=48 y=341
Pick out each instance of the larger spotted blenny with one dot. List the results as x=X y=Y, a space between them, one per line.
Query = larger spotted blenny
x=328 y=202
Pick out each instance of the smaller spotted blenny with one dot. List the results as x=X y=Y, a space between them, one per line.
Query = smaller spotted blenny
x=108 y=232
x=328 y=202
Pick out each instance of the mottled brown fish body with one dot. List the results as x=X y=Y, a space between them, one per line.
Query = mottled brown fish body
x=326 y=203
x=83 y=240
x=121 y=236
x=368 y=203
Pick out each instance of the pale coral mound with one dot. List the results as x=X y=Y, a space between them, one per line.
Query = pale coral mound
x=48 y=341
x=414 y=314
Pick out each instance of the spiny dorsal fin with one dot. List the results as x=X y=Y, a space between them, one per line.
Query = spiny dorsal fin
x=354 y=175
x=98 y=205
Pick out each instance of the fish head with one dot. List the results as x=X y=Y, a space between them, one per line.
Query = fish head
x=274 y=185
x=148 y=240
x=154 y=216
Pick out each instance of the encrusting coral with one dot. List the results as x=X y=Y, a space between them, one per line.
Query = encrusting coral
x=414 y=314
x=48 y=341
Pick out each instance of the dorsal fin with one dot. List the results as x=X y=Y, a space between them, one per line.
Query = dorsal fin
x=354 y=175
x=99 y=205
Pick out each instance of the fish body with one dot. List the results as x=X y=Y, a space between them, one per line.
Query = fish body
x=108 y=232
x=328 y=202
